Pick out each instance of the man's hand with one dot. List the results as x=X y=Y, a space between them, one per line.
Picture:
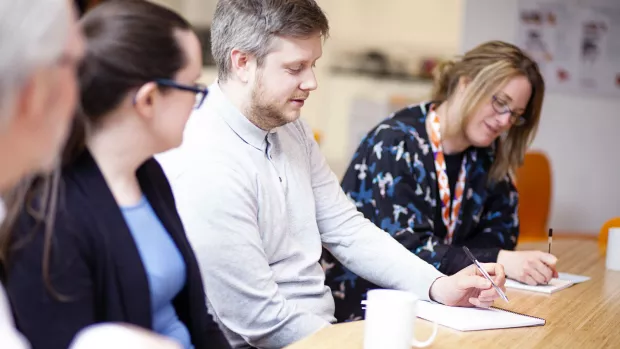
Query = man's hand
x=530 y=267
x=469 y=287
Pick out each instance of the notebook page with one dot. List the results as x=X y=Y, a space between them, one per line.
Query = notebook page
x=474 y=319
x=573 y=277
x=553 y=286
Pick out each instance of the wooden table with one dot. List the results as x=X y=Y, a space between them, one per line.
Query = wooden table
x=586 y=315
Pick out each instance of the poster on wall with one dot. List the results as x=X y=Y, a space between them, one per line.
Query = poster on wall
x=575 y=42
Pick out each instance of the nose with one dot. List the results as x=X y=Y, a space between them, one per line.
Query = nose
x=309 y=82
x=504 y=119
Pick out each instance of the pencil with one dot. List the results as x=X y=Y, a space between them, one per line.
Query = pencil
x=550 y=237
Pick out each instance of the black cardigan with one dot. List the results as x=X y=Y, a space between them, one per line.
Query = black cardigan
x=96 y=265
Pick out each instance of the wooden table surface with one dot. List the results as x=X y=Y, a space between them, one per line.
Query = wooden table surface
x=585 y=315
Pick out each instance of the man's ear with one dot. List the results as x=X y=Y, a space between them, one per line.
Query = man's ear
x=241 y=63
x=144 y=100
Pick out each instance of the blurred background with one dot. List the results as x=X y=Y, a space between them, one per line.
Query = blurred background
x=378 y=59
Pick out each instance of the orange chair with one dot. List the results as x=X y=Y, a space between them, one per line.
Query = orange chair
x=602 y=235
x=533 y=181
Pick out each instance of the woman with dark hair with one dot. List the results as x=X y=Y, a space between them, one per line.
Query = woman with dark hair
x=116 y=251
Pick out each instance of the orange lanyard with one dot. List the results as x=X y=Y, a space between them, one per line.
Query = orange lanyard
x=448 y=216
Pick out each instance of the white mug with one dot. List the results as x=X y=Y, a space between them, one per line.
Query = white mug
x=390 y=319
x=612 y=261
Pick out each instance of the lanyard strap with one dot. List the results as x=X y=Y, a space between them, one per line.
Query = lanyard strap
x=448 y=216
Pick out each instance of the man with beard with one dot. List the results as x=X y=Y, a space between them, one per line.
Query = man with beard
x=258 y=199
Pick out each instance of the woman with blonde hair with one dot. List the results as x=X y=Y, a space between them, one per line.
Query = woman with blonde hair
x=437 y=176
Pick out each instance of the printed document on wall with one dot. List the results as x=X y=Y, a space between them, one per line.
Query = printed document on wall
x=575 y=42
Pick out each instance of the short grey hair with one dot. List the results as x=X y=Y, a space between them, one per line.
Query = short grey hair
x=251 y=25
x=33 y=34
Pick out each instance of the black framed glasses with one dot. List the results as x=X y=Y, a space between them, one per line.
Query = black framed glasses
x=199 y=90
x=501 y=107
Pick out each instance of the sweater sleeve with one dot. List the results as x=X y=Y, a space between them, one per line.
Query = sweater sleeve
x=360 y=245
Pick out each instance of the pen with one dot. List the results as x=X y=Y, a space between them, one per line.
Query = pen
x=484 y=272
x=550 y=236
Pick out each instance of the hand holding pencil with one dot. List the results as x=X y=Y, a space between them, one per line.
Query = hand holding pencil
x=529 y=267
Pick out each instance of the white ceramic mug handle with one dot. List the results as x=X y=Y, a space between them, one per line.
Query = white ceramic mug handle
x=426 y=343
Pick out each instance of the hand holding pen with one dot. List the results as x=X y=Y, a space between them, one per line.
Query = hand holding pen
x=469 y=287
x=484 y=273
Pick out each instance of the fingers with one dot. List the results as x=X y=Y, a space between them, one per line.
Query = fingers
x=542 y=272
x=548 y=259
x=538 y=276
x=465 y=281
x=551 y=261
x=529 y=280
x=501 y=283
x=491 y=268
x=536 y=268
x=488 y=295
x=494 y=269
x=478 y=303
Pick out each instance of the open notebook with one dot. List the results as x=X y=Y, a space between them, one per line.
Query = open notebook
x=553 y=286
x=474 y=319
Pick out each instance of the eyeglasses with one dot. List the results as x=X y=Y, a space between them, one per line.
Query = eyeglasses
x=200 y=90
x=502 y=107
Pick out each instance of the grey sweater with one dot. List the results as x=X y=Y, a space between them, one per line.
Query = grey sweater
x=257 y=208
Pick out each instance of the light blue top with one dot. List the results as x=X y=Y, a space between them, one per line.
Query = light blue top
x=164 y=266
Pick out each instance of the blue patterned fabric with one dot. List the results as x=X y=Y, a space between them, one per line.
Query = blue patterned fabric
x=392 y=181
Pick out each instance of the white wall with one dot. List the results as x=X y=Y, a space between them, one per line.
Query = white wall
x=586 y=190
x=198 y=12
x=407 y=29
x=410 y=29
x=573 y=130
x=417 y=26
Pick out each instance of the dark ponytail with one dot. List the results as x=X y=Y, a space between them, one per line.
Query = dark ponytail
x=129 y=43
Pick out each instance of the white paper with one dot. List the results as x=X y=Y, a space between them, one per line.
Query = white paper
x=553 y=286
x=573 y=277
x=474 y=319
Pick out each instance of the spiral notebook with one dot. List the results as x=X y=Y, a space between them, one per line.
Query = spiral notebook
x=475 y=319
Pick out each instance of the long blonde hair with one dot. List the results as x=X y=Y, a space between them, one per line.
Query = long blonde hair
x=488 y=67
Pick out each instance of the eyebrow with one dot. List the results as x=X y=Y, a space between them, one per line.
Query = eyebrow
x=296 y=62
x=503 y=95
x=302 y=61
